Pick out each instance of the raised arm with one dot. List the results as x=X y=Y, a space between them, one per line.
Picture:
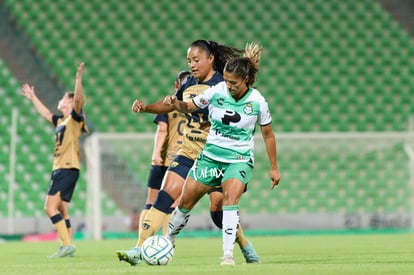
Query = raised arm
x=78 y=98
x=29 y=92
x=270 y=143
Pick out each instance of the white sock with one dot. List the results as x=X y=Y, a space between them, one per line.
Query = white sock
x=231 y=219
x=178 y=221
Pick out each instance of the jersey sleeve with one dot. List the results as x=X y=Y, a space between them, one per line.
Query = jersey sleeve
x=55 y=119
x=77 y=117
x=203 y=100
x=265 y=117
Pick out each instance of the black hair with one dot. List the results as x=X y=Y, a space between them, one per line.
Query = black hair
x=182 y=77
x=221 y=53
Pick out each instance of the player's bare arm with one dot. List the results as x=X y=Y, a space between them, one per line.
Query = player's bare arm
x=138 y=106
x=270 y=143
x=29 y=92
x=78 y=97
x=181 y=106
x=161 y=136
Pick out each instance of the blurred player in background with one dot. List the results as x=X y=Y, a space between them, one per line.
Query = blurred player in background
x=167 y=141
x=228 y=156
x=206 y=60
x=69 y=127
x=133 y=220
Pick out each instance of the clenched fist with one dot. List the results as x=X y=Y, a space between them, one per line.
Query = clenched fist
x=138 y=106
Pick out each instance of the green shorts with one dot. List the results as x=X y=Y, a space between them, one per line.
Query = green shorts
x=212 y=173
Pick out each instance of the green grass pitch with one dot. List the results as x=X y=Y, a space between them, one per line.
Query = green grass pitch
x=303 y=254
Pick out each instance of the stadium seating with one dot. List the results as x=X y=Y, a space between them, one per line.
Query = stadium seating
x=327 y=66
x=309 y=47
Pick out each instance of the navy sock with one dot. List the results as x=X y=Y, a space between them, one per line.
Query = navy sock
x=163 y=201
x=217 y=218
x=170 y=210
x=56 y=218
x=68 y=225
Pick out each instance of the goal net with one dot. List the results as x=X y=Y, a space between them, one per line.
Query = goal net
x=329 y=181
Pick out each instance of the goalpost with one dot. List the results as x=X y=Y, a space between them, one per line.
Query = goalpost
x=409 y=149
x=12 y=171
x=329 y=181
x=116 y=163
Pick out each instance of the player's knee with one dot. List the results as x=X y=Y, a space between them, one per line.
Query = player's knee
x=164 y=201
x=49 y=211
x=217 y=218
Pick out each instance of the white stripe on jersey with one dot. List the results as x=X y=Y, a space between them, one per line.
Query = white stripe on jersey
x=232 y=122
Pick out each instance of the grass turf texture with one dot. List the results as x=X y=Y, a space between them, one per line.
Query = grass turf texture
x=307 y=254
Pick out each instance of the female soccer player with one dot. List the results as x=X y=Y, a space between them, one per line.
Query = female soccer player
x=69 y=127
x=167 y=141
x=206 y=60
x=227 y=158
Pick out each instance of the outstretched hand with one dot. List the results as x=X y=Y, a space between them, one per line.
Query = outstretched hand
x=28 y=91
x=80 y=70
x=275 y=177
x=138 y=106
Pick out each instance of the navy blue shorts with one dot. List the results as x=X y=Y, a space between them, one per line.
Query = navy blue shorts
x=181 y=165
x=215 y=189
x=63 y=181
x=219 y=189
x=155 y=176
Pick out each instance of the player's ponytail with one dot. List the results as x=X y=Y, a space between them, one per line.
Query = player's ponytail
x=253 y=52
x=247 y=65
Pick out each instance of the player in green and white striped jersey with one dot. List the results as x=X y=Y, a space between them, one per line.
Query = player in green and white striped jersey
x=235 y=108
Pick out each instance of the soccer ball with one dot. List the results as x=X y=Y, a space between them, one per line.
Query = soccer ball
x=157 y=250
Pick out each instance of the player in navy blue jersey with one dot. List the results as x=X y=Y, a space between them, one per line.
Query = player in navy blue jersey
x=167 y=141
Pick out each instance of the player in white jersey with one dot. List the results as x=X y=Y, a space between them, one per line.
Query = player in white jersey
x=235 y=108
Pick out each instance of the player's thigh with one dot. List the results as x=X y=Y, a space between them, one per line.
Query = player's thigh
x=192 y=192
x=63 y=209
x=172 y=184
x=52 y=204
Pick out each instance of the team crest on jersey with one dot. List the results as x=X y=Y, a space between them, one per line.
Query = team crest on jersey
x=248 y=109
x=203 y=101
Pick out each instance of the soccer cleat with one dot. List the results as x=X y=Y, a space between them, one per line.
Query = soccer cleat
x=228 y=260
x=250 y=254
x=132 y=256
x=73 y=253
x=64 y=251
x=171 y=239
